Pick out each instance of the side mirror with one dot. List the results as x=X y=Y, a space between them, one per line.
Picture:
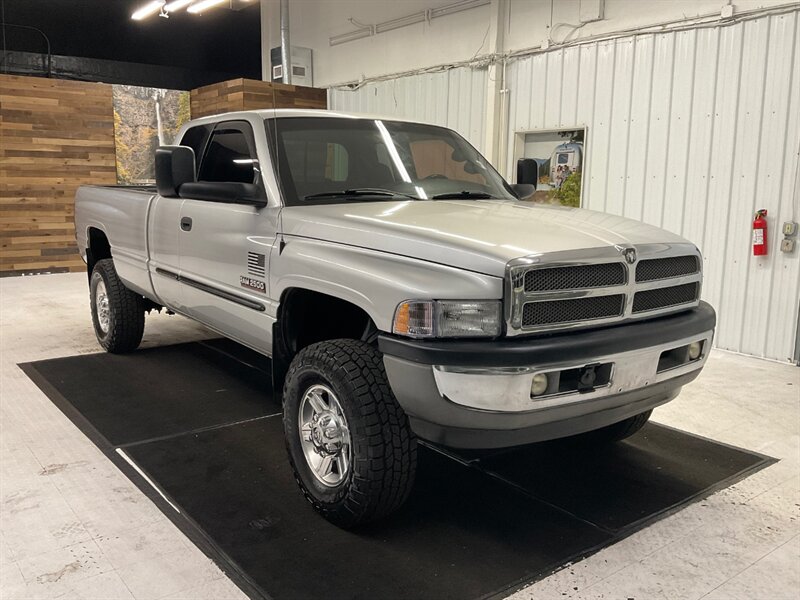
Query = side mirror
x=230 y=192
x=523 y=190
x=174 y=167
x=528 y=171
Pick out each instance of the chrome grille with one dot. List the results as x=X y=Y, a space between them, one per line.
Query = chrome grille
x=664 y=297
x=582 y=288
x=666 y=268
x=575 y=278
x=551 y=312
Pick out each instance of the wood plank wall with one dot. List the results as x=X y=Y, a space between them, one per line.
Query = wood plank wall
x=249 y=94
x=54 y=136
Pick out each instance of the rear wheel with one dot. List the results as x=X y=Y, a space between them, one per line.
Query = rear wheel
x=618 y=431
x=117 y=312
x=349 y=442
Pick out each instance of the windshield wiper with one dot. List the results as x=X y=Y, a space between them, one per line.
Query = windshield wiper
x=356 y=192
x=462 y=194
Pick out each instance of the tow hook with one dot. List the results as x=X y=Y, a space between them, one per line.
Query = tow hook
x=587 y=378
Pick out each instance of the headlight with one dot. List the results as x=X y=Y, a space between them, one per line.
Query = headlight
x=448 y=318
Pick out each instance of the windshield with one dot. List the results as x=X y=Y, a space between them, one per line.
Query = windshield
x=336 y=160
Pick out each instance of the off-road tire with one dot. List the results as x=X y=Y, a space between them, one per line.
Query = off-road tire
x=618 y=431
x=126 y=310
x=384 y=449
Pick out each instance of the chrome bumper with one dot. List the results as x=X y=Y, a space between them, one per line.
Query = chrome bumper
x=508 y=389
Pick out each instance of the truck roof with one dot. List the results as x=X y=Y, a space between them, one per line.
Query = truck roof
x=271 y=113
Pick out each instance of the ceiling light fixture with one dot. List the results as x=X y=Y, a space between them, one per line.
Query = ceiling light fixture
x=204 y=4
x=401 y=22
x=356 y=34
x=177 y=5
x=148 y=9
x=455 y=7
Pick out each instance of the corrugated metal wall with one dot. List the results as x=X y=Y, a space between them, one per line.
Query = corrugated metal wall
x=690 y=130
x=454 y=98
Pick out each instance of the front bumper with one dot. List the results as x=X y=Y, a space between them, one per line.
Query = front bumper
x=476 y=394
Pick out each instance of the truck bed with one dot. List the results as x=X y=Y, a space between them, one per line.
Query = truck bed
x=120 y=213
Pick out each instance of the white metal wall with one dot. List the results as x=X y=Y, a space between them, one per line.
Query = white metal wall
x=454 y=98
x=689 y=130
x=692 y=131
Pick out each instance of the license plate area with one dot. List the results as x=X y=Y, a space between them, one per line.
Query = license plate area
x=582 y=379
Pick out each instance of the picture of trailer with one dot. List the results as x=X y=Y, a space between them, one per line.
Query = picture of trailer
x=567 y=158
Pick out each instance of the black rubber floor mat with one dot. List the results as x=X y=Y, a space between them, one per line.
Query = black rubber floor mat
x=198 y=421
x=615 y=486
x=160 y=391
x=461 y=535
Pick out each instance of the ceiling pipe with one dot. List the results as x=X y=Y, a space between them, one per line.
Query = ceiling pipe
x=6 y=54
x=286 y=46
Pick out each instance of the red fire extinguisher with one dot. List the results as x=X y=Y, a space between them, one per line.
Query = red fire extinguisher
x=760 y=233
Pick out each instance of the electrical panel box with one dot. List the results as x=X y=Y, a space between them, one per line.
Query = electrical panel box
x=787 y=245
x=789 y=228
x=301 y=66
x=591 y=10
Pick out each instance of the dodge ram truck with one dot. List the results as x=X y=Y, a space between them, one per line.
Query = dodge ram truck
x=403 y=290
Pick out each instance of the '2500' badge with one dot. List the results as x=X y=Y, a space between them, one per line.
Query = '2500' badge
x=253 y=284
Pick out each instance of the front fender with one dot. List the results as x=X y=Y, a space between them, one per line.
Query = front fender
x=374 y=281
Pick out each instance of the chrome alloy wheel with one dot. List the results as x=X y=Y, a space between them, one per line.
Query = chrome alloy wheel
x=324 y=435
x=101 y=303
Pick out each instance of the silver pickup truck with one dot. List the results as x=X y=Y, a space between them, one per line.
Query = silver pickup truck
x=402 y=289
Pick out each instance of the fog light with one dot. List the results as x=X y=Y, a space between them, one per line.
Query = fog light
x=695 y=348
x=539 y=384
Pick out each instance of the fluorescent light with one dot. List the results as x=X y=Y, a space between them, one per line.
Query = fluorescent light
x=401 y=22
x=450 y=9
x=177 y=5
x=203 y=4
x=148 y=9
x=356 y=34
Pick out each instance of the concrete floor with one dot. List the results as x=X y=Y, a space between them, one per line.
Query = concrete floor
x=72 y=526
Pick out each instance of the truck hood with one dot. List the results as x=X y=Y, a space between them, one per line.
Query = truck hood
x=477 y=235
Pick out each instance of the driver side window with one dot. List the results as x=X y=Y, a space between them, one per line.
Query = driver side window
x=228 y=157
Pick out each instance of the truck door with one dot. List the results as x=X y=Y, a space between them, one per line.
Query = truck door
x=225 y=248
x=162 y=234
x=163 y=231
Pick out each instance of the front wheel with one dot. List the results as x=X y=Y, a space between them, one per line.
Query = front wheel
x=349 y=441
x=117 y=312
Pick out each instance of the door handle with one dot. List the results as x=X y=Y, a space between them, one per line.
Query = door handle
x=186 y=223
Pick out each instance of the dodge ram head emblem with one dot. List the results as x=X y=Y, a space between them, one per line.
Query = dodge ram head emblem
x=630 y=255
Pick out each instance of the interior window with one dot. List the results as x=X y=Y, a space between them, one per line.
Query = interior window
x=313 y=161
x=228 y=158
x=436 y=158
x=337 y=160
x=383 y=157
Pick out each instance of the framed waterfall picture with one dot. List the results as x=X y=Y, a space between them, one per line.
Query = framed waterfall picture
x=144 y=118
